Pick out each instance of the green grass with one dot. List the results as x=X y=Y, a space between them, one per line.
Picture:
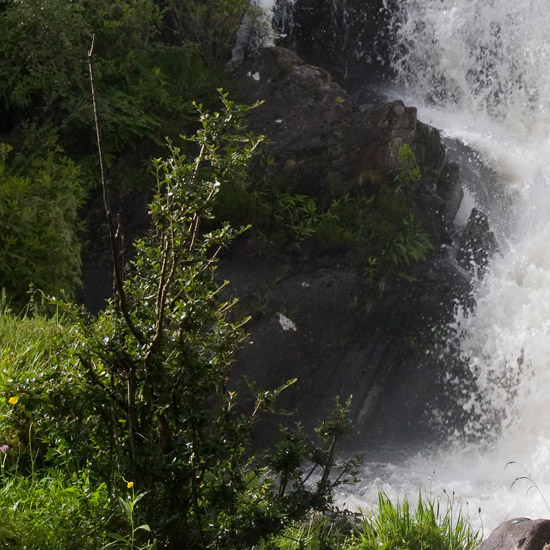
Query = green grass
x=319 y=532
x=397 y=527
x=40 y=509
x=49 y=512
x=29 y=351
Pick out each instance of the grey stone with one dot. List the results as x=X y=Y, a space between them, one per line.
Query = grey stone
x=519 y=534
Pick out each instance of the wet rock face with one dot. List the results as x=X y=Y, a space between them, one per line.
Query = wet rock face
x=349 y=38
x=321 y=325
x=478 y=243
x=316 y=320
x=519 y=534
x=311 y=327
x=319 y=137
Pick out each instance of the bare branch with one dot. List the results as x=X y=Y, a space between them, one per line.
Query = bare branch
x=120 y=296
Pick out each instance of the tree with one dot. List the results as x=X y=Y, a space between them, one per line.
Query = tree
x=142 y=392
x=158 y=359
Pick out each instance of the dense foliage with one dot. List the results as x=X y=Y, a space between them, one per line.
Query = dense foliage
x=151 y=59
x=142 y=392
x=44 y=79
x=38 y=225
x=123 y=430
x=210 y=24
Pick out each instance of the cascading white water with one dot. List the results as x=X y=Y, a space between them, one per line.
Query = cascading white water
x=479 y=71
x=256 y=31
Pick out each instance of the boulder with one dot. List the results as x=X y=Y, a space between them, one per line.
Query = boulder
x=314 y=318
x=477 y=244
x=303 y=108
x=320 y=139
x=519 y=534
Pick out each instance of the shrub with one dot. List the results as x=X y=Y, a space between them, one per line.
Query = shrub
x=378 y=232
x=142 y=392
x=377 y=229
x=144 y=84
x=150 y=397
x=38 y=226
x=42 y=504
x=38 y=64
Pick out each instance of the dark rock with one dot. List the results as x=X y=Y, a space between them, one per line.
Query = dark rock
x=317 y=320
x=311 y=329
x=377 y=134
x=325 y=327
x=519 y=534
x=320 y=138
x=349 y=38
x=303 y=114
x=477 y=244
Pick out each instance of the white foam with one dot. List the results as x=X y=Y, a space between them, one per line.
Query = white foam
x=477 y=70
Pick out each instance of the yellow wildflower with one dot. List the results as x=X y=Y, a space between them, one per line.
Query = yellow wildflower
x=130 y=484
x=13 y=400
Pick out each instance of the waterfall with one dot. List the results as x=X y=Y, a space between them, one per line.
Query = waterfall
x=259 y=30
x=478 y=71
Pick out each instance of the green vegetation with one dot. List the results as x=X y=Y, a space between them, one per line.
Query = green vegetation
x=44 y=75
x=378 y=231
x=123 y=430
x=151 y=60
x=210 y=24
x=50 y=512
x=319 y=532
x=397 y=527
x=140 y=395
x=38 y=223
x=43 y=505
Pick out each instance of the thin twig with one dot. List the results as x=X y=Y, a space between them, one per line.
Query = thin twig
x=120 y=295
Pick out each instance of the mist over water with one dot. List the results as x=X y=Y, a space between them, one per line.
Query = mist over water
x=478 y=71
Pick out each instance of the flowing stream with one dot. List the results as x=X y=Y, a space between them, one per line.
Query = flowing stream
x=479 y=70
